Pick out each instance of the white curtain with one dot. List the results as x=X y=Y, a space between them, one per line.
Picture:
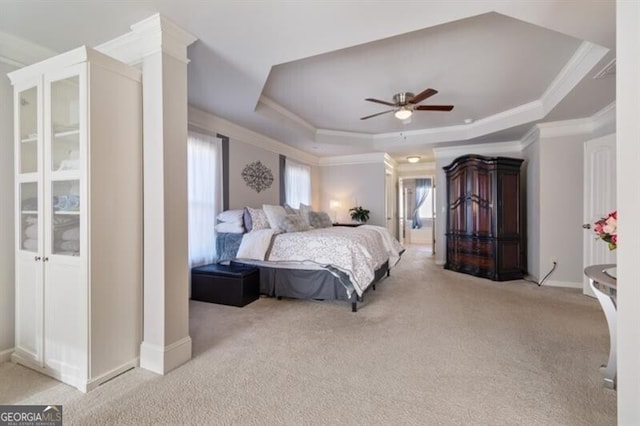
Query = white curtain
x=423 y=187
x=297 y=183
x=204 y=162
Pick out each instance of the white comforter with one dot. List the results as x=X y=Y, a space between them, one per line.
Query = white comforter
x=357 y=252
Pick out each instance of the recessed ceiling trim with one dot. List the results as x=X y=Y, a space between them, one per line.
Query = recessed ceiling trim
x=208 y=121
x=485 y=148
x=270 y=103
x=19 y=52
x=346 y=160
x=581 y=63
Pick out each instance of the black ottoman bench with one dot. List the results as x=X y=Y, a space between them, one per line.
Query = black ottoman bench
x=225 y=284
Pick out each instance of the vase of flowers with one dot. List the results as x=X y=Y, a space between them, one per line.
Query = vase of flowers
x=607 y=229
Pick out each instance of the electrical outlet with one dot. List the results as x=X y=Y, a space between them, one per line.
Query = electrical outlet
x=554 y=261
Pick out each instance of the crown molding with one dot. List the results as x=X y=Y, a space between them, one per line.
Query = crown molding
x=481 y=149
x=586 y=56
x=605 y=117
x=271 y=104
x=211 y=123
x=18 y=52
x=427 y=166
x=152 y=35
x=347 y=160
x=390 y=162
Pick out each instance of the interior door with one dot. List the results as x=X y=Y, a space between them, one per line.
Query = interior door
x=389 y=203
x=599 y=199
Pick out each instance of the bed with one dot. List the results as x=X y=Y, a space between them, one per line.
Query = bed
x=336 y=263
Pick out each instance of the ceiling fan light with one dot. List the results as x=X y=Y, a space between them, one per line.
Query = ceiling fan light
x=403 y=113
x=413 y=158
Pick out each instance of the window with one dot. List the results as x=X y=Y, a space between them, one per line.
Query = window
x=426 y=209
x=297 y=183
x=204 y=162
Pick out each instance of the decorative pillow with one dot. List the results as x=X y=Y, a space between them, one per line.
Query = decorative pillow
x=293 y=223
x=304 y=213
x=258 y=219
x=233 y=216
x=274 y=215
x=320 y=220
x=246 y=216
x=290 y=210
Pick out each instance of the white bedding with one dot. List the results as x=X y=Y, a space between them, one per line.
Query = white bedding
x=358 y=252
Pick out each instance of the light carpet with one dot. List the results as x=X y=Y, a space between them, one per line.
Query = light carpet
x=429 y=347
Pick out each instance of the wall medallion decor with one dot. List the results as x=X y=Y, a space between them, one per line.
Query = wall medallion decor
x=257 y=176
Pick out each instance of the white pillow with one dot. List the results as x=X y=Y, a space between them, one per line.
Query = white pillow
x=232 y=216
x=275 y=214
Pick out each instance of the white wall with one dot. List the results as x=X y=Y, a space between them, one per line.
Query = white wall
x=532 y=156
x=6 y=214
x=354 y=185
x=628 y=196
x=561 y=208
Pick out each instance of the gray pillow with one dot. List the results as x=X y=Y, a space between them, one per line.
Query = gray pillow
x=320 y=220
x=248 y=224
x=293 y=223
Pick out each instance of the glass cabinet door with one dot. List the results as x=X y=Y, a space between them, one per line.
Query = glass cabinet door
x=65 y=118
x=28 y=119
x=29 y=216
x=65 y=220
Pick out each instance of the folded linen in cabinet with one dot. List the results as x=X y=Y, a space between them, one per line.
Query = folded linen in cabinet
x=72 y=234
x=31 y=231
x=30 y=244
x=70 y=246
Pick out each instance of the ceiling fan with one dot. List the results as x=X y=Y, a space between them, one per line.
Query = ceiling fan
x=404 y=103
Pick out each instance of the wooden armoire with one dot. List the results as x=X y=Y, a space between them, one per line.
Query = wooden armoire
x=486 y=217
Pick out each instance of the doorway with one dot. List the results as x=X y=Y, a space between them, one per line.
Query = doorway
x=417 y=211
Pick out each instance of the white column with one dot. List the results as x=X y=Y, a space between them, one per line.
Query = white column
x=628 y=156
x=161 y=49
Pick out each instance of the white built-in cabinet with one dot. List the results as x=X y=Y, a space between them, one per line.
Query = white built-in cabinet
x=78 y=163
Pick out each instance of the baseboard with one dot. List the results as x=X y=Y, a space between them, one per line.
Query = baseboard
x=162 y=359
x=92 y=384
x=568 y=284
x=440 y=262
x=6 y=355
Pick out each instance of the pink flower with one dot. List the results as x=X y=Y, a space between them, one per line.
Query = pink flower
x=606 y=229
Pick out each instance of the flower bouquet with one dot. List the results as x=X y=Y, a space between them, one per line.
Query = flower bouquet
x=607 y=229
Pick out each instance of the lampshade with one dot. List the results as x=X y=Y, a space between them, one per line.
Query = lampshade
x=413 y=158
x=334 y=204
x=403 y=113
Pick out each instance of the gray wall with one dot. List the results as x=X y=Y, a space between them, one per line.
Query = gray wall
x=6 y=212
x=354 y=185
x=240 y=195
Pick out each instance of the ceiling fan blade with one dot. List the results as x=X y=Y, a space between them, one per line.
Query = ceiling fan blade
x=422 y=96
x=375 y=115
x=433 y=107
x=380 y=102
